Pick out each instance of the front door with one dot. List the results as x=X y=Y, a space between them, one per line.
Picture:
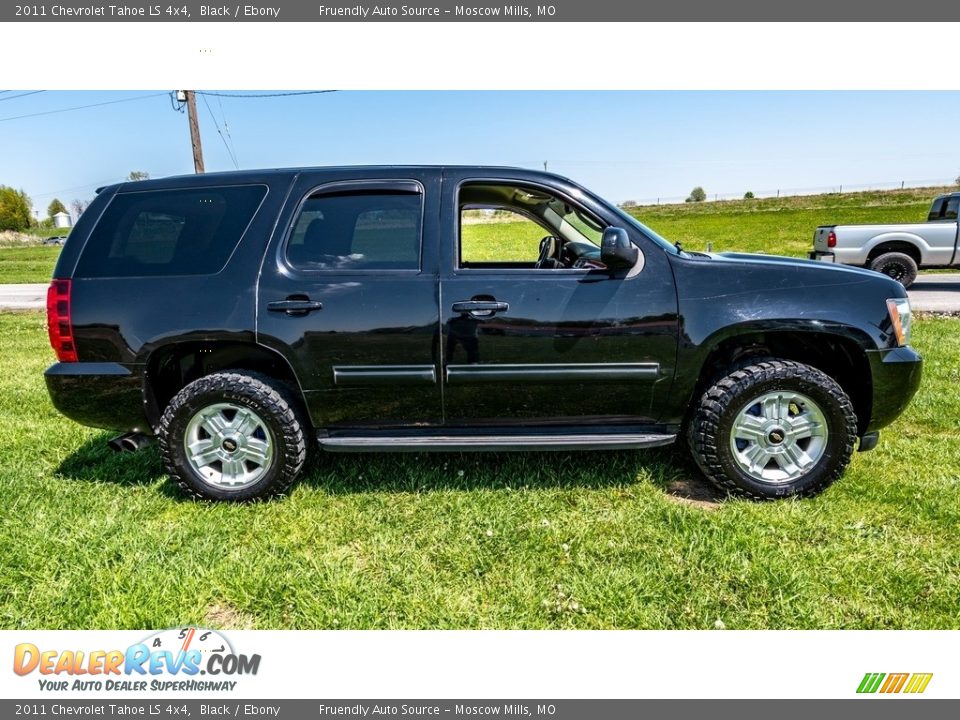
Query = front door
x=348 y=294
x=535 y=329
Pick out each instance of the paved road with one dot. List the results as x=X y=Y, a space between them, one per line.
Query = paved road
x=931 y=292
x=23 y=297
x=936 y=292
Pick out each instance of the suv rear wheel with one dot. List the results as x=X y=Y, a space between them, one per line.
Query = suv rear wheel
x=232 y=436
x=772 y=430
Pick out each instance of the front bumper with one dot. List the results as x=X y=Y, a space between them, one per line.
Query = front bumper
x=822 y=256
x=103 y=395
x=896 y=377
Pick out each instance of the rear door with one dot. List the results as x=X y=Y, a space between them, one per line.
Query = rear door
x=348 y=293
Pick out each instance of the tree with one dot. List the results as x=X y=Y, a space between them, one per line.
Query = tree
x=748 y=195
x=136 y=175
x=78 y=206
x=55 y=207
x=957 y=181
x=697 y=195
x=15 y=209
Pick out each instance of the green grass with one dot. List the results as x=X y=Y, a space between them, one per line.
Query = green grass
x=32 y=264
x=90 y=539
x=501 y=241
x=780 y=226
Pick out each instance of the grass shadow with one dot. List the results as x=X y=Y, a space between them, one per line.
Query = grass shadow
x=664 y=468
x=95 y=462
x=667 y=469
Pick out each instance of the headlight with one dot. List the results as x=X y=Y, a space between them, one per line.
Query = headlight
x=901 y=319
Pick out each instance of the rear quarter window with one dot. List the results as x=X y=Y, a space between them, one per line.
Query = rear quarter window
x=169 y=232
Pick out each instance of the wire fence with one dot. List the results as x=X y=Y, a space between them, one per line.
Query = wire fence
x=788 y=191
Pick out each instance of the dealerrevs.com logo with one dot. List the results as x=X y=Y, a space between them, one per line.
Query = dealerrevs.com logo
x=179 y=659
x=892 y=683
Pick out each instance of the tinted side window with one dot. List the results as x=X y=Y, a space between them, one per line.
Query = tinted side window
x=357 y=231
x=950 y=211
x=936 y=210
x=169 y=232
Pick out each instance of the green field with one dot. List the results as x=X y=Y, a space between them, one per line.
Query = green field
x=31 y=264
x=91 y=539
x=781 y=226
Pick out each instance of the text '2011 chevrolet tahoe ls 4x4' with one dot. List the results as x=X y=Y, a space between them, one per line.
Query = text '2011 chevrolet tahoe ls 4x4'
x=245 y=318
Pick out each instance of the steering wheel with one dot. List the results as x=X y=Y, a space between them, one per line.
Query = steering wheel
x=549 y=254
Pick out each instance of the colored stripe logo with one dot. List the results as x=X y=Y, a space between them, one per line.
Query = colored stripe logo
x=913 y=683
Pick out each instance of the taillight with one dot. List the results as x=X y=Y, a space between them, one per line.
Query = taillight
x=832 y=239
x=59 y=327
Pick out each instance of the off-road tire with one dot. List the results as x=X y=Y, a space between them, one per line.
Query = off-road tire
x=900 y=266
x=271 y=400
x=709 y=431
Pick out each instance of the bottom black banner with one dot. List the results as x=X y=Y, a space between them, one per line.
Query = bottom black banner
x=874 y=708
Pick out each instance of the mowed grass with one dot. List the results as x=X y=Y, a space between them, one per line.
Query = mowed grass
x=31 y=264
x=781 y=226
x=778 y=226
x=92 y=539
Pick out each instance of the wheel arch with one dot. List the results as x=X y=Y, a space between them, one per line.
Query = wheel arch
x=839 y=352
x=173 y=366
x=911 y=245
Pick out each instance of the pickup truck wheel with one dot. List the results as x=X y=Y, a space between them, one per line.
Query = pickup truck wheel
x=900 y=266
x=232 y=436
x=773 y=430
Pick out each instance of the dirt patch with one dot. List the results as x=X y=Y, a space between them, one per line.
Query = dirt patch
x=222 y=616
x=696 y=493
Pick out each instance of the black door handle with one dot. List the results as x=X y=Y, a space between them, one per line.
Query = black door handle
x=480 y=308
x=295 y=306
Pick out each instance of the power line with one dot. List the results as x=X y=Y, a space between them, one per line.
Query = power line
x=263 y=95
x=82 y=107
x=74 y=188
x=217 y=126
x=226 y=129
x=14 y=97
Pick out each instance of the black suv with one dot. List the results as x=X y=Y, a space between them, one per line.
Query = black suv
x=244 y=318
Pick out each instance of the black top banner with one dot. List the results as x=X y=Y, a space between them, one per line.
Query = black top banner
x=446 y=11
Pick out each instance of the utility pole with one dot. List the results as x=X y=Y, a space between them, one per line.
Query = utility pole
x=190 y=98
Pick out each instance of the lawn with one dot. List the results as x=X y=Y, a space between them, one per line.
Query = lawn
x=781 y=226
x=31 y=264
x=90 y=539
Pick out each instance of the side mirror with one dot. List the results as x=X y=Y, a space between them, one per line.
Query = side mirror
x=616 y=250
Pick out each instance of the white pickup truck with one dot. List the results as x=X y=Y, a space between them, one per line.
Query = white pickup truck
x=895 y=250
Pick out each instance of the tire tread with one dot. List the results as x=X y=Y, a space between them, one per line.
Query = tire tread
x=703 y=436
x=275 y=398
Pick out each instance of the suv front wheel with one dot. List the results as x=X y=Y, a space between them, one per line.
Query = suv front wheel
x=773 y=430
x=232 y=436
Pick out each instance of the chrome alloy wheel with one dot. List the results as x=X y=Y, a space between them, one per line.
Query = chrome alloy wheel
x=779 y=436
x=228 y=445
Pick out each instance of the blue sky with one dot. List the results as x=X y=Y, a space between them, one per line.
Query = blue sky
x=630 y=145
